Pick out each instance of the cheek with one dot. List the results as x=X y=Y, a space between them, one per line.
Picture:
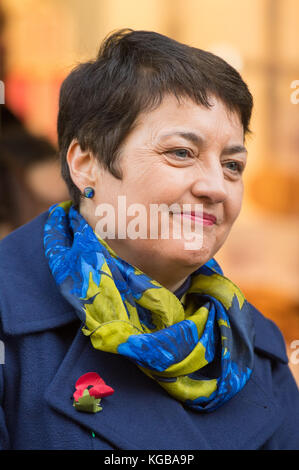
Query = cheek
x=233 y=204
x=154 y=182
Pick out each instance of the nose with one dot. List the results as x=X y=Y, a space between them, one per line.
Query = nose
x=209 y=183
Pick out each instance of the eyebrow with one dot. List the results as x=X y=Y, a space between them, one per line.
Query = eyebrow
x=196 y=139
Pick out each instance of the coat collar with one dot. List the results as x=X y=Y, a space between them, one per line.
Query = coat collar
x=26 y=283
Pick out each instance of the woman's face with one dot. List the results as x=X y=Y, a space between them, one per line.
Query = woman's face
x=180 y=153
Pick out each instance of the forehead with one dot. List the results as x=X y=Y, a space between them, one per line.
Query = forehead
x=184 y=115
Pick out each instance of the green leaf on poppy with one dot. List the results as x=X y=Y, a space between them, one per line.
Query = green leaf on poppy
x=88 y=403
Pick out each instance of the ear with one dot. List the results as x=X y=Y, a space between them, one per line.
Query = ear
x=83 y=166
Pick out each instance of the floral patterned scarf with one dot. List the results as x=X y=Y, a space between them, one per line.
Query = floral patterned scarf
x=198 y=348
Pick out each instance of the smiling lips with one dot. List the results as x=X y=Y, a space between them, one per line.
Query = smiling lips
x=204 y=218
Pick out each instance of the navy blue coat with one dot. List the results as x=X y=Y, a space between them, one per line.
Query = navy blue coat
x=45 y=354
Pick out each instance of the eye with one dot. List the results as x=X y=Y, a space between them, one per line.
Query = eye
x=235 y=167
x=180 y=153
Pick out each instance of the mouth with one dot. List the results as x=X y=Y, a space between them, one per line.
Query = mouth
x=204 y=217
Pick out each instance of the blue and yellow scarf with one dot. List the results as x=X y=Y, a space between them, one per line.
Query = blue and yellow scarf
x=198 y=348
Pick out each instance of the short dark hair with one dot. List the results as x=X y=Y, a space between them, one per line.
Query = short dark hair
x=101 y=99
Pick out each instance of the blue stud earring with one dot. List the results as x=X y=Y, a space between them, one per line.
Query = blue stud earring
x=88 y=192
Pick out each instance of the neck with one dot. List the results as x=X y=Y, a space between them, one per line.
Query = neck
x=179 y=284
x=166 y=272
x=170 y=284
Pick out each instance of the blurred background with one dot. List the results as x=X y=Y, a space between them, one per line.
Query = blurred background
x=42 y=40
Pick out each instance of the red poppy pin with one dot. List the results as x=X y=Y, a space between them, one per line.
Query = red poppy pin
x=90 y=388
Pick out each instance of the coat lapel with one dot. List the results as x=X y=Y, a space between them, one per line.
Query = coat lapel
x=141 y=415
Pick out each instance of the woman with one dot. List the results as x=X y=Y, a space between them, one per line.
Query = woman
x=122 y=342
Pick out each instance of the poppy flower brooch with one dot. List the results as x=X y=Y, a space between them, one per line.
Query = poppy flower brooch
x=90 y=388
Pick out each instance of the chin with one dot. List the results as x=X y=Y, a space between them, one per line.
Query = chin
x=191 y=257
